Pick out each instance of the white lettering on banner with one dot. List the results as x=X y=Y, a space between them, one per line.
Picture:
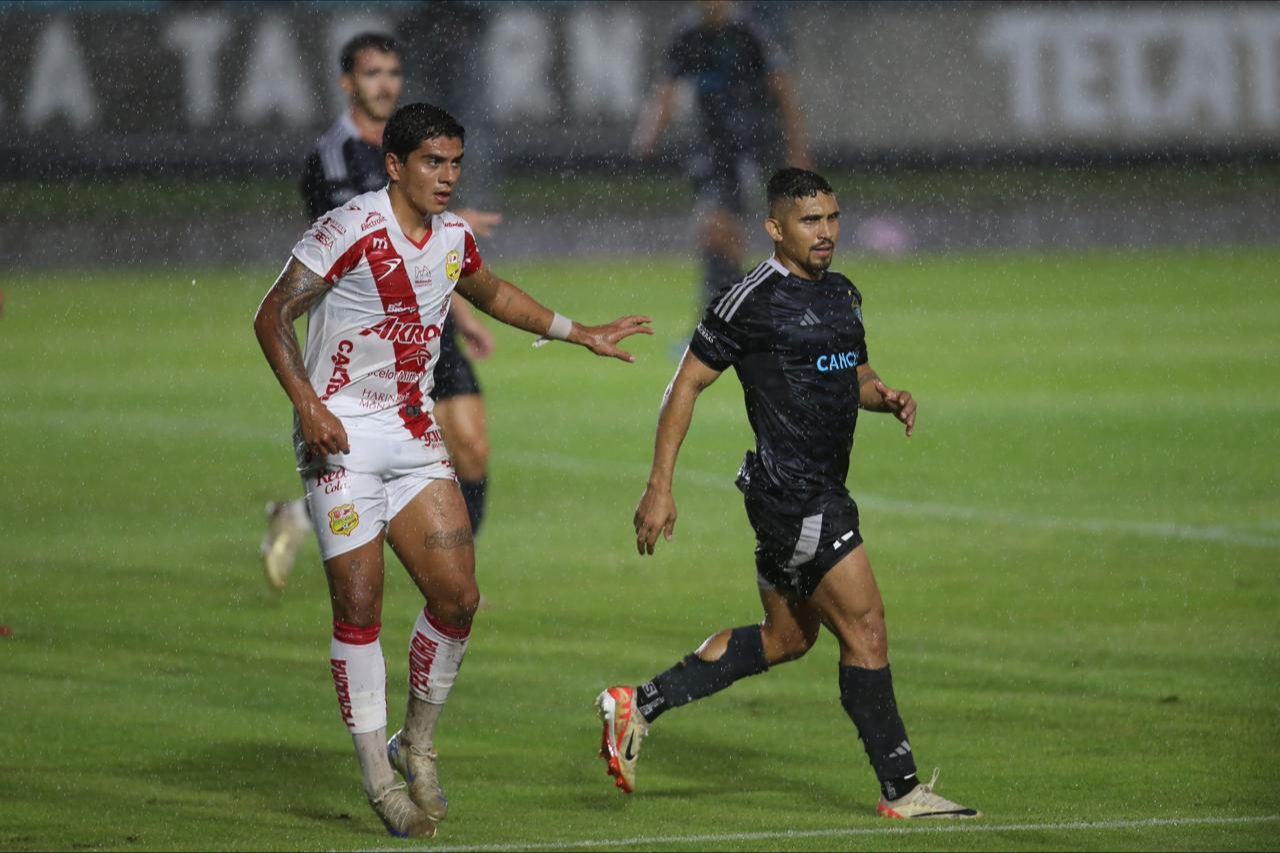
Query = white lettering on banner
x=519 y=52
x=59 y=83
x=1089 y=71
x=274 y=83
x=197 y=39
x=604 y=61
x=340 y=31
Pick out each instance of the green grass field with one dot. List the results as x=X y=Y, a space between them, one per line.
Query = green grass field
x=1078 y=550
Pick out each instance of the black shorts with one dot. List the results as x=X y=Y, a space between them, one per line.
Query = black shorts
x=796 y=548
x=454 y=376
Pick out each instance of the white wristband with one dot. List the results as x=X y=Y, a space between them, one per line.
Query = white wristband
x=559 y=330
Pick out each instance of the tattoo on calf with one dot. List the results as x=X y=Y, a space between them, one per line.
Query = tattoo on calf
x=443 y=539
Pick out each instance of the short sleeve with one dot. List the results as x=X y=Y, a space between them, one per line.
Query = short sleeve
x=721 y=339
x=330 y=248
x=864 y=356
x=471 y=260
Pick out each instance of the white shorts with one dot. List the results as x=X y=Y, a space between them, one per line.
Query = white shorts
x=353 y=496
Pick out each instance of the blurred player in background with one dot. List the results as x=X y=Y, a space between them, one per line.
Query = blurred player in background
x=793 y=331
x=347 y=161
x=743 y=94
x=376 y=278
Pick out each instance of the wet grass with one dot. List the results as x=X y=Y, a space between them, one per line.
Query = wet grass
x=1078 y=550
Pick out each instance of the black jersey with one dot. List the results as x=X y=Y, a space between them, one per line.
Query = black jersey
x=795 y=345
x=340 y=167
x=729 y=67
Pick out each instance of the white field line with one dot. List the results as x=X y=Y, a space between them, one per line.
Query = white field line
x=927 y=509
x=687 y=841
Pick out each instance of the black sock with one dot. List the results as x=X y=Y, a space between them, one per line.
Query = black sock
x=473 y=492
x=718 y=272
x=695 y=678
x=867 y=697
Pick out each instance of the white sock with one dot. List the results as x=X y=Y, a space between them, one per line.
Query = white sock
x=360 y=677
x=435 y=656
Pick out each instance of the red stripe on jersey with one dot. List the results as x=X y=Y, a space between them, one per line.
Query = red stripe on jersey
x=347 y=261
x=471 y=260
x=405 y=329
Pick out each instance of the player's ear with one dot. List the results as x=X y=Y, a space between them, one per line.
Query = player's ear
x=393 y=166
x=348 y=83
x=773 y=229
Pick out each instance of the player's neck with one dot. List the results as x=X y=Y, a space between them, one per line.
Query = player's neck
x=369 y=127
x=415 y=225
x=796 y=269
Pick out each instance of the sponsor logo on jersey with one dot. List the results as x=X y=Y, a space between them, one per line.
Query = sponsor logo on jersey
x=330 y=222
x=455 y=225
x=344 y=519
x=837 y=361
x=401 y=332
x=453 y=266
x=340 y=377
x=353 y=207
x=332 y=479
x=421 y=274
x=389 y=266
x=322 y=237
x=373 y=220
x=380 y=242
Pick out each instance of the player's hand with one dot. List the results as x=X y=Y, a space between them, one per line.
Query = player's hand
x=478 y=338
x=322 y=431
x=483 y=222
x=655 y=514
x=901 y=404
x=603 y=340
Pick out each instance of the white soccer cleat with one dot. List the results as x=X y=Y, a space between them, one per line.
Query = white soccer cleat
x=401 y=817
x=418 y=767
x=624 y=732
x=287 y=529
x=922 y=802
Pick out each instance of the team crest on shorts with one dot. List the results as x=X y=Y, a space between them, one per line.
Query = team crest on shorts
x=453 y=266
x=344 y=519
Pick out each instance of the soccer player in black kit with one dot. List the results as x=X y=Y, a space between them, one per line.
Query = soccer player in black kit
x=345 y=162
x=793 y=331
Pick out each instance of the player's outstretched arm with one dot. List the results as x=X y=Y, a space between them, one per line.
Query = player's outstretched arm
x=875 y=396
x=503 y=301
x=657 y=510
x=294 y=292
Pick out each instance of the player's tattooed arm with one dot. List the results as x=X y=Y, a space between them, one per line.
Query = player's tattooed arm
x=506 y=302
x=295 y=290
x=875 y=396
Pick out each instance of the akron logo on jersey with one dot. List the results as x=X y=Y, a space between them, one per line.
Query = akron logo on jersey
x=344 y=519
x=453 y=266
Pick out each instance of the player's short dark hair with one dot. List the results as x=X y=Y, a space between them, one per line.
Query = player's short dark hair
x=380 y=42
x=793 y=183
x=414 y=124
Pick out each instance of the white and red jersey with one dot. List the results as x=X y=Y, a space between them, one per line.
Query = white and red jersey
x=373 y=339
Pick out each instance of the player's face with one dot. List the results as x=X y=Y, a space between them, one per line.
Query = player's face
x=374 y=84
x=806 y=230
x=428 y=177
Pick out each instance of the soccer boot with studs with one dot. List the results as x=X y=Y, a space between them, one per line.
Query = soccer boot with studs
x=624 y=732
x=922 y=802
x=401 y=817
x=418 y=767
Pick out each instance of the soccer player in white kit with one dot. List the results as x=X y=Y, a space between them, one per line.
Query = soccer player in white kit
x=375 y=277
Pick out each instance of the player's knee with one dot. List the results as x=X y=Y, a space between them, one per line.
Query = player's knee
x=783 y=645
x=357 y=610
x=457 y=610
